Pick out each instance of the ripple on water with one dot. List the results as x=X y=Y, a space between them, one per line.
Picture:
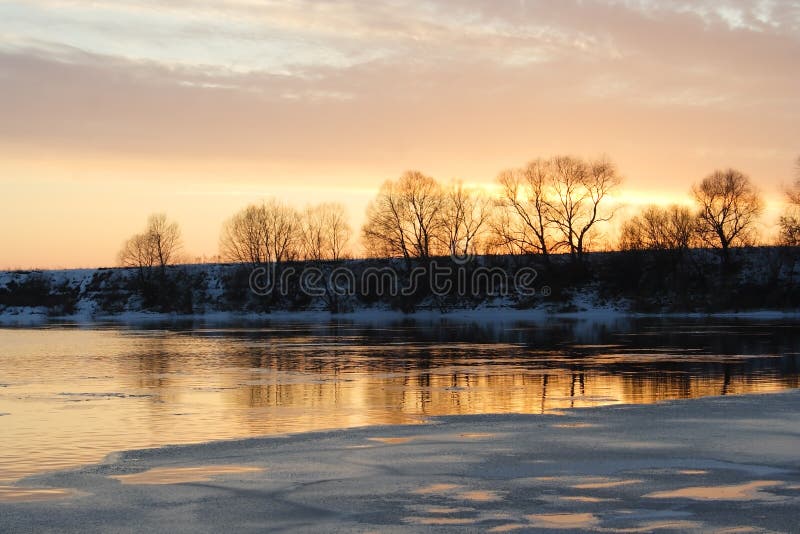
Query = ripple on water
x=393 y=440
x=179 y=475
x=564 y=521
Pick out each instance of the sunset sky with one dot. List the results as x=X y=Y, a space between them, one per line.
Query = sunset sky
x=112 y=110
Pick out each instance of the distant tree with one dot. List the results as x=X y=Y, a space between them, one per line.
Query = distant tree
x=464 y=215
x=524 y=223
x=262 y=233
x=158 y=246
x=728 y=208
x=284 y=231
x=552 y=204
x=658 y=228
x=405 y=219
x=790 y=220
x=243 y=238
x=136 y=252
x=325 y=232
x=384 y=232
x=681 y=226
x=506 y=234
x=574 y=207
x=165 y=238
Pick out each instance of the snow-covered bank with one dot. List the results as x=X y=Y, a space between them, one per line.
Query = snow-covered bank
x=759 y=283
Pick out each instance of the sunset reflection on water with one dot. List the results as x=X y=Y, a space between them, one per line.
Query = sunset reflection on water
x=71 y=395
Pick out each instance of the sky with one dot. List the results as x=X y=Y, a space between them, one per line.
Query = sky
x=113 y=110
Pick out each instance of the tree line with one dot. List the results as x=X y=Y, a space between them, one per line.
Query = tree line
x=549 y=206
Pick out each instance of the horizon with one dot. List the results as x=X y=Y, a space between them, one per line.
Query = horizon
x=113 y=112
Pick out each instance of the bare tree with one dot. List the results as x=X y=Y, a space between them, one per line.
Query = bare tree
x=657 y=228
x=157 y=246
x=681 y=234
x=405 y=219
x=262 y=233
x=506 y=234
x=326 y=232
x=165 y=238
x=525 y=224
x=464 y=219
x=729 y=207
x=789 y=224
x=243 y=238
x=574 y=207
x=384 y=232
x=284 y=231
x=136 y=252
x=424 y=198
x=790 y=220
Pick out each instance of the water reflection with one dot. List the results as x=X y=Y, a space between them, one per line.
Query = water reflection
x=70 y=395
x=750 y=491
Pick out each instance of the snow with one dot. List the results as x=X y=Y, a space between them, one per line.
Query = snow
x=105 y=295
x=638 y=468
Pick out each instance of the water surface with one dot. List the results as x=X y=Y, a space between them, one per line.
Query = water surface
x=70 y=395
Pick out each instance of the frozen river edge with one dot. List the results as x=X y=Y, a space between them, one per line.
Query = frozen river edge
x=709 y=464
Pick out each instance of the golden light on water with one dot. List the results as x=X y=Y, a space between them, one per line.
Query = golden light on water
x=72 y=396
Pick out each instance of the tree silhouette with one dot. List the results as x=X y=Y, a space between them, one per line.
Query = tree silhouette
x=158 y=246
x=525 y=223
x=554 y=204
x=657 y=228
x=790 y=220
x=262 y=233
x=464 y=216
x=579 y=189
x=325 y=232
x=405 y=219
x=729 y=206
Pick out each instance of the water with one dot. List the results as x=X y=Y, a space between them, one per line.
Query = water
x=70 y=395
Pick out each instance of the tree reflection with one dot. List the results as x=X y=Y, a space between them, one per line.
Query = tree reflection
x=273 y=376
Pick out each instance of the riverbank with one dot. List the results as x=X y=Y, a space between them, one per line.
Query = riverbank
x=645 y=282
x=711 y=464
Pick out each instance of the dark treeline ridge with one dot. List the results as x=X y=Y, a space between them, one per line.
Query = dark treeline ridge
x=644 y=281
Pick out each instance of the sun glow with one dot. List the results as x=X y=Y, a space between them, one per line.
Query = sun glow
x=115 y=111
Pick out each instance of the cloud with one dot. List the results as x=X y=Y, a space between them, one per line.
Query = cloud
x=109 y=108
x=458 y=86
